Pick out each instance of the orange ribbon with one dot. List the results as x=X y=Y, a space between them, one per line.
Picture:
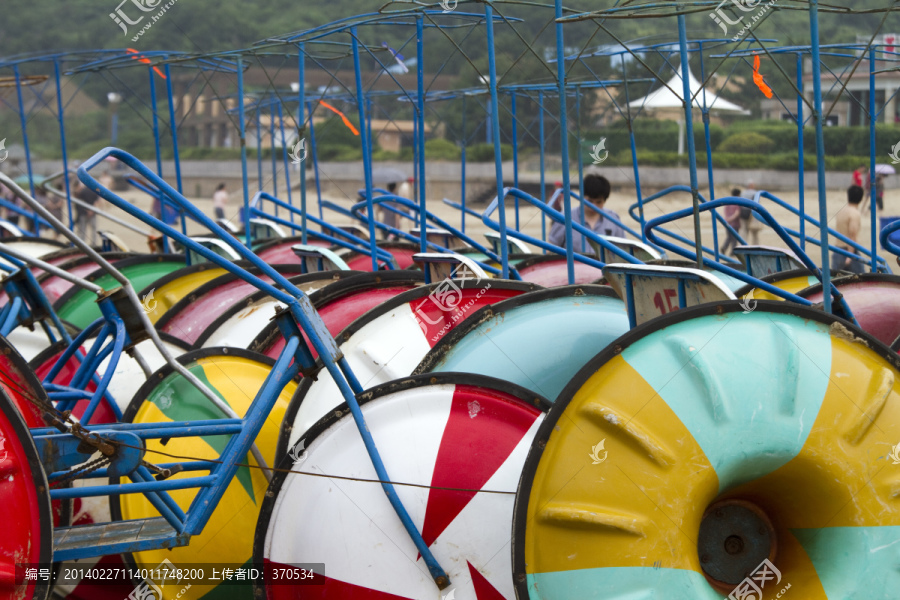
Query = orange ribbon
x=341 y=115
x=758 y=78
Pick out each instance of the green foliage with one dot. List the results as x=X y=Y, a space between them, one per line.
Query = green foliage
x=484 y=152
x=748 y=142
x=661 y=136
x=780 y=161
x=441 y=149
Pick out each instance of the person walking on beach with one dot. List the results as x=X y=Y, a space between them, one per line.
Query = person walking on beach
x=879 y=192
x=220 y=201
x=847 y=223
x=733 y=218
x=861 y=176
x=752 y=225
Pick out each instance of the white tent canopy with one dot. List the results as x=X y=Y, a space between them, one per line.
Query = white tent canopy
x=672 y=96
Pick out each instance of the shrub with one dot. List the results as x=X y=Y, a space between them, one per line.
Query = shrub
x=748 y=142
x=441 y=149
x=484 y=152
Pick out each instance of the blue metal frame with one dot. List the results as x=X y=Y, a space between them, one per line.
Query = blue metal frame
x=425 y=216
x=767 y=218
x=559 y=218
x=299 y=317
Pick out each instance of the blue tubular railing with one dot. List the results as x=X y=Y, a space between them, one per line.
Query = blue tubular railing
x=885 y=238
x=32 y=291
x=606 y=214
x=558 y=217
x=287 y=364
x=756 y=199
x=355 y=243
x=767 y=218
x=11 y=206
x=464 y=209
x=882 y=264
x=356 y=208
x=684 y=240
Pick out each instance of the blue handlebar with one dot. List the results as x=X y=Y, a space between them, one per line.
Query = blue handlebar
x=406 y=202
x=557 y=216
x=288 y=294
x=767 y=218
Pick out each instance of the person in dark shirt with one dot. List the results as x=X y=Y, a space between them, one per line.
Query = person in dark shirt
x=596 y=191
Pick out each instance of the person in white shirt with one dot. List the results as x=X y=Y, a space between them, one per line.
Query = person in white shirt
x=220 y=201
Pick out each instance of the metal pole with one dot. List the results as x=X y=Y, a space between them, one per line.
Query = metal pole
x=420 y=128
x=274 y=160
x=301 y=128
x=801 y=153
x=173 y=128
x=369 y=120
x=634 y=158
x=579 y=152
x=243 y=131
x=62 y=138
x=873 y=116
x=709 y=162
x=820 y=152
x=515 y=148
x=23 y=123
x=416 y=151
x=543 y=174
x=495 y=128
x=159 y=167
x=462 y=167
x=287 y=164
x=315 y=156
x=259 y=182
x=564 y=134
x=366 y=155
x=689 y=134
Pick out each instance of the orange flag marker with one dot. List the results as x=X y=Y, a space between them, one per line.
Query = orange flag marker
x=341 y=115
x=144 y=60
x=758 y=78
